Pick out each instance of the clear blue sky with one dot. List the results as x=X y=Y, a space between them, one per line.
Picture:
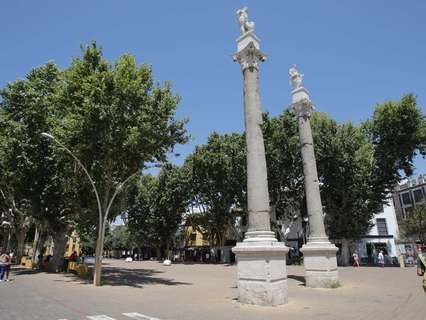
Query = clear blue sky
x=354 y=54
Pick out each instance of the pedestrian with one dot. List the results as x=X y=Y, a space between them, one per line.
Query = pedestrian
x=2 y=268
x=421 y=267
x=356 y=259
x=5 y=266
x=73 y=257
x=381 y=259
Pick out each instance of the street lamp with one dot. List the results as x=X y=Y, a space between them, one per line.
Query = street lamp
x=102 y=217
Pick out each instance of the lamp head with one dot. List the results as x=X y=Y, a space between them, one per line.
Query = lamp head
x=47 y=135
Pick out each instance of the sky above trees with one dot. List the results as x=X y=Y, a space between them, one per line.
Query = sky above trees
x=353 y=54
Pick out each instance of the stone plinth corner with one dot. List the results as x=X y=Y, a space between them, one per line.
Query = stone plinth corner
x=320 y=263
x=262 y=273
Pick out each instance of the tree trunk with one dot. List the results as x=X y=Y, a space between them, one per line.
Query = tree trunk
x=20 y=239
x=345 y=252
x=5 y=240
x=59 y=244
x=9 y=237
x=38 y=244
x=158 y=252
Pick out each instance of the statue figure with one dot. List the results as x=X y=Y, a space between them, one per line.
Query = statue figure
x=295 y=77
x=245 y=24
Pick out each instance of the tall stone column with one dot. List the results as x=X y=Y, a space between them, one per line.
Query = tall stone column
x=319 y=255
x=262 y=276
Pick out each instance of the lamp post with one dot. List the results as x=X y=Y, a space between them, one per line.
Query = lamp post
x=102 y=215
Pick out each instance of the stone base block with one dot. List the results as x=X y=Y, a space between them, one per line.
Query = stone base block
x=319 y=259
x=262 y=274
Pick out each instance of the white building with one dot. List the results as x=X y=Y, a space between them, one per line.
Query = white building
x=383 y=236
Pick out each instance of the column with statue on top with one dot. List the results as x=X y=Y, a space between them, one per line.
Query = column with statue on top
x=319 y=255
x=261 y=259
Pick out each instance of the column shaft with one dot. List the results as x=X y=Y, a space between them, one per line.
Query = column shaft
x=313 y=198
x=257 y=183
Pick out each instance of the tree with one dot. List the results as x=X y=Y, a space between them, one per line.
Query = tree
x=157 y=206
x=398 y=133
x=218 y=171
x=115 y=121
x=34 y=180
x=284 y=164
x=118 y=238
x=415 y=224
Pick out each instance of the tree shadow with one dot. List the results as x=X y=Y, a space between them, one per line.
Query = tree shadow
x=21 y=271
x=113 y=276
x=301 y=279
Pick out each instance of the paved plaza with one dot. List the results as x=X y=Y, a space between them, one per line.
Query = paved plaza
x=149 y=290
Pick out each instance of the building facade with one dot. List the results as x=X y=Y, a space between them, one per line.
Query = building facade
x=383 y=236
x=409 y=194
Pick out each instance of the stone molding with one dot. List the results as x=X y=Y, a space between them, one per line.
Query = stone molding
x=250 y=57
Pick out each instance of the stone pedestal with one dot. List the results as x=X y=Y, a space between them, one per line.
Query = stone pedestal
x=262 y=274
x=319 y=260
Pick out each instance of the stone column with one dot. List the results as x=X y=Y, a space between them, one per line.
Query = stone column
x=319 y=255
x=261 y=259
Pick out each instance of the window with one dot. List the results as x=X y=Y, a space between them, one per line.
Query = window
x=406 y=198
x=418 y=195
x=382 y=228
x=193 y=236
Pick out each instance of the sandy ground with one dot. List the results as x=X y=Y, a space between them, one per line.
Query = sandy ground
x=201 y=291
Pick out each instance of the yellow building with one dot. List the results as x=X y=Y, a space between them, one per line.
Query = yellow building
x=73 y=244
x=194 y=238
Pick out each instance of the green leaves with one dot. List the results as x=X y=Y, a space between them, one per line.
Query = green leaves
x=218 y=171
x=156 y=206
x=110 y=115
x=415 y=224
x=357 y=166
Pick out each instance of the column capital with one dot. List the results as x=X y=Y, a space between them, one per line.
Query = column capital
x=249 y=57
x=302 y=108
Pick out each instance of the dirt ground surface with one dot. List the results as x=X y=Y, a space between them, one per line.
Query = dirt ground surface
x=150 y=290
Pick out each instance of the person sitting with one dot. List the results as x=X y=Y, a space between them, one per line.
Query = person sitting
x=73 y=257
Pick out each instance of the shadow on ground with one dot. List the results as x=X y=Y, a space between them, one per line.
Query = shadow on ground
x=125 y=277
x=300 y=279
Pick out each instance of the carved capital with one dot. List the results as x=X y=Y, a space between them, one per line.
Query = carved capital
x=250 y=57
x=302 y=108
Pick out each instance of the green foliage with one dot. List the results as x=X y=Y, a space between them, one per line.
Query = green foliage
x=398 y=132
x=357 y=166
x=156 y=206
x=218 y=171
x=415 y=224
x=284 y=164
x=345 y=164
x=115 y=120
x=118 y=238
x=32 y=173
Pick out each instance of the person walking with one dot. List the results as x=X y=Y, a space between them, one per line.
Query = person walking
x=2 y=268
x=421 y=267
x=356 y=259
x=381 y=259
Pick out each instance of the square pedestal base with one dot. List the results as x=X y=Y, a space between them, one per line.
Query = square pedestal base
x=319 y=260
x=262 y=274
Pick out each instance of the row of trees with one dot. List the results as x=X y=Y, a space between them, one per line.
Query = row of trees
x=116 y=121
x=358 y=166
